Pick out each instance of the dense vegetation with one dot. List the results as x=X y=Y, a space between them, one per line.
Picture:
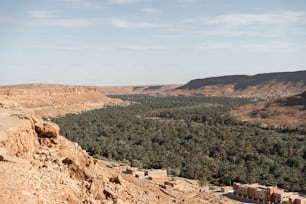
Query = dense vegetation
x=193 y=137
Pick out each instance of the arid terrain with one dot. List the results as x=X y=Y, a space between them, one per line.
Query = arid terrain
x=38 y=165
x=287 y=112
x=127 y=90
x=53 y=100
x=266 y=86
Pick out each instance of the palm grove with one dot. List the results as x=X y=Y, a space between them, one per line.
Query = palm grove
x=193 y=137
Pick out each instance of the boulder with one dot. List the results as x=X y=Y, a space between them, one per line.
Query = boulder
x=46 y=129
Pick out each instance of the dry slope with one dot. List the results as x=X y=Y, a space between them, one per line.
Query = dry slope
x=267 y=85
x=289 y=112
x=128 y=90
x=53 y=100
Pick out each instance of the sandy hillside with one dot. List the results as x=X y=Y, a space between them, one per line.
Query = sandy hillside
x=287 y=112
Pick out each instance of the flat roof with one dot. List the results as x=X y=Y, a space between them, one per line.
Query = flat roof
x=256 y=185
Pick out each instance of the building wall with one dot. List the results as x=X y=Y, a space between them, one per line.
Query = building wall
x=271 y=191
x=157 y=173
x=236 y=187
x=251 y=192
x=267 y=194
x=261 y=195
x=281 y=197
x=243 y=191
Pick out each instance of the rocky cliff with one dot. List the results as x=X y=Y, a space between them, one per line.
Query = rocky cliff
x=40 y=166
x=266 y=85
x=53 y=100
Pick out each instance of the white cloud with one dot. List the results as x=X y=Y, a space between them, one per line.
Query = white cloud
x=260 y=47
x=85 y=4
x=84 y=47
x=187 y=1
x=42 y=14
x=286 y=17
x=165 y=35
x=58 y=47
x=49 y=18
x=126 y=1
x=136 y=47
x=268 y=18
x=150 y=10
x=234 y=33
x=66 y=22
x=124 y=23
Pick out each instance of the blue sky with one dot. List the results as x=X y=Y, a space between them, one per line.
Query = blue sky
x=135 y=42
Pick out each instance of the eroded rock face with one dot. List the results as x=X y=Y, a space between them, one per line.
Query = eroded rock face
x=47 y=130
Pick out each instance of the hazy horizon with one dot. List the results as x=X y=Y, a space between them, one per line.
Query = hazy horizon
x=135 y=85
x=148 y=42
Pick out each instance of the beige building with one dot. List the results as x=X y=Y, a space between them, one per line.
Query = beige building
x=281 y=196
x=252 y=192
x=261 y=195
x=265 y=194
x=242 y=191
x=156 y=173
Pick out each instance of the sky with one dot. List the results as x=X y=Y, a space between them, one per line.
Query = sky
x=142 y=42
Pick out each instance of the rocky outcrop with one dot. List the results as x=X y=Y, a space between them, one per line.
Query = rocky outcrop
x=37 y=165
x=25 y=138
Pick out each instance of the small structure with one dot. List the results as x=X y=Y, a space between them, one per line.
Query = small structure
x=267 y=194
x=260 y=193
x=149 y=174
x=156 y=173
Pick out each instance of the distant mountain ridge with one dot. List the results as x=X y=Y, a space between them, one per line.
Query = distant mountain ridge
x=243 y=81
